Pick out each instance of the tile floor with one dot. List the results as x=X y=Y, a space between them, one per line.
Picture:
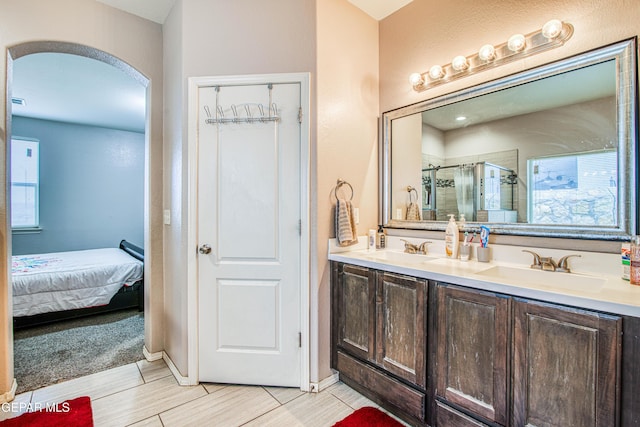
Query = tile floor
x=146 y=394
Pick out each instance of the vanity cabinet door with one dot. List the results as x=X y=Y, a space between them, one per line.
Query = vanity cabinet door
x=401 y=327
x=565 y=366
x=354 y=308
x=472 y=351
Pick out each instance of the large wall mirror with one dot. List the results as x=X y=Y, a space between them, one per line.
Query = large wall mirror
x=548 y=152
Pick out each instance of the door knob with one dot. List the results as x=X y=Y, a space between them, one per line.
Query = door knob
x=204 y=249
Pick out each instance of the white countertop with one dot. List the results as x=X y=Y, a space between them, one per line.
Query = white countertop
x=595 y=281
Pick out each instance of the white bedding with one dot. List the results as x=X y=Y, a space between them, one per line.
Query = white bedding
x=60 y=281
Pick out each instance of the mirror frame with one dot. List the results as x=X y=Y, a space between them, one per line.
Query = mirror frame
x=624 y=53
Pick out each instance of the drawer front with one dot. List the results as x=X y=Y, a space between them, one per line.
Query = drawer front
x=405 y=398
x=449 y=417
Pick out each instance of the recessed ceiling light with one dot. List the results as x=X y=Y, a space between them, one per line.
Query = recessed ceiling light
x=461 y=118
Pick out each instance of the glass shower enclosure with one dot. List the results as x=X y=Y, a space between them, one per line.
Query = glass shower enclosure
x=482 y=191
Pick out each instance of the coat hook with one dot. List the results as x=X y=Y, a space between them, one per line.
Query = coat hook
x=234 y=109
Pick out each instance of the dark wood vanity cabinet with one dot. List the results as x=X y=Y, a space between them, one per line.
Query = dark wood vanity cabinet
x=472 y=354
x=565 y=366
x=451 y=356
x=379 y=333
x=554 y=365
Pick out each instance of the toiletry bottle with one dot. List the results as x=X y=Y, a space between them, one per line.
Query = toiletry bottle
x=462 y=222
x=451 y=238
x=381 y=238
x=372 y=240
x=634 y=261
x=626 y=261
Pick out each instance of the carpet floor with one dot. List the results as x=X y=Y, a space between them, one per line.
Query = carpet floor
x=49 y=354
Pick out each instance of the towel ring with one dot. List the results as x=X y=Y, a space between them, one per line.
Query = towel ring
x=410 y=190
x=339 y=184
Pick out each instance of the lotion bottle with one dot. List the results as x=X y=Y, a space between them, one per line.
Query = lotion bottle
x=451 y=238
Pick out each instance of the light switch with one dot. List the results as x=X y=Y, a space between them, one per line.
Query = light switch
x=167 y=217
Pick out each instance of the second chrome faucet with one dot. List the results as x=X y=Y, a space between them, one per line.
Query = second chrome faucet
x=412 y=248
x=548 y=264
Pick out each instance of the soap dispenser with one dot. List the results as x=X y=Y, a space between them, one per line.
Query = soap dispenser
x=381 y=238
x=451 y=238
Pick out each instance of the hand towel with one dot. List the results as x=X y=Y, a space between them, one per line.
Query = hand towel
x=346 y=233
x=413 y=212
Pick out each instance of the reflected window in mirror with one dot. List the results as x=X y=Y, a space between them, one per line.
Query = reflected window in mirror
x=574 y=189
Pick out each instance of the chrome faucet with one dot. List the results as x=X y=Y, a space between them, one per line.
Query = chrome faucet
x=423 y=248
x=411 y=248
x=563 y=265
x=548 y=264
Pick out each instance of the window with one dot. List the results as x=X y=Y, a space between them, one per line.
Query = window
x=24 y=183
x=579 y=189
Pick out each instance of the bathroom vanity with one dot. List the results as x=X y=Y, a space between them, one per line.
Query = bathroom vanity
x=442 y=342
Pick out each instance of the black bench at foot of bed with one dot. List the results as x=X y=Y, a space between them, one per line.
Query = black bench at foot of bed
x=127 y=297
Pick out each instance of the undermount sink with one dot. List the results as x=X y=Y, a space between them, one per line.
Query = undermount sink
x=397 y=257
x=546 y=279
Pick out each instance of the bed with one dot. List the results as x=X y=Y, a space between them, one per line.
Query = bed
x=64 y=285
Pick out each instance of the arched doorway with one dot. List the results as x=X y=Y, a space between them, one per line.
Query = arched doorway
x=21 y=50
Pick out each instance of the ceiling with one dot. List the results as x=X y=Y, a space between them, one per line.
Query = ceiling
x=75 y=89
x=569 y=88
x=157 y=10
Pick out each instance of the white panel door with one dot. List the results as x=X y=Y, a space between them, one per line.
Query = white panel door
x=249 y=213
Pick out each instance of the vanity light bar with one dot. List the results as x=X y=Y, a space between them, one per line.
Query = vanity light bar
x=553 y=34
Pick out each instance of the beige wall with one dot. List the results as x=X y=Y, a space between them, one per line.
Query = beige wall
x=406 y=163
x=347 y=143
x=174 y=180
x=135 y=41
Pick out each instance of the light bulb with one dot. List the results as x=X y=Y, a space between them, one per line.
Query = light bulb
x=552 y=29
x=487 y=53
x=436 y=72
x=416 y=79
x=459 y=63
x=516 y=43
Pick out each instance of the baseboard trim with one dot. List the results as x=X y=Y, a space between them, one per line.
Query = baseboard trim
x=182 y=380
x=325 y=383
x=11 y=394
x=151 y=357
